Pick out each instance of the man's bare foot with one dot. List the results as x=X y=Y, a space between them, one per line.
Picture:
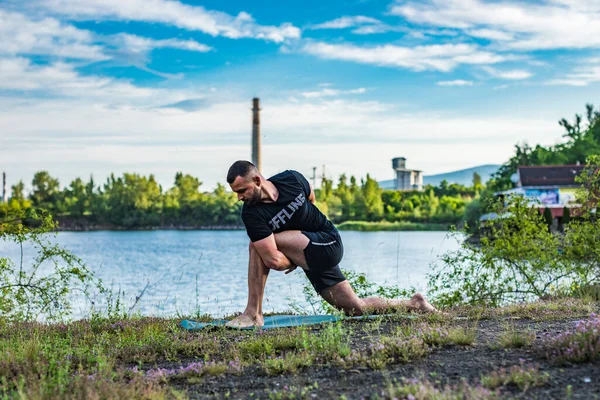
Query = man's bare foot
x=419 y=302
x=245 y=321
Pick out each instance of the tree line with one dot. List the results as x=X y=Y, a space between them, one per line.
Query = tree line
x=134 y=201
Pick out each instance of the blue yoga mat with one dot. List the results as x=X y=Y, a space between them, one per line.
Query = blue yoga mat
x=275 y=321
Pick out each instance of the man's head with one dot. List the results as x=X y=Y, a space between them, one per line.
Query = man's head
x=246 y=181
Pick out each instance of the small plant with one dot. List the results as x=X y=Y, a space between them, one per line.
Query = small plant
x=292 y=392
x=512 y=338
x=385 y=351
x=578 y=345
x=332 y=341
x=431 y=335
x=264 y=345
x=193 y=370
x=518 y=375
x=289 y=363
x=414 y=390
x=462 y=336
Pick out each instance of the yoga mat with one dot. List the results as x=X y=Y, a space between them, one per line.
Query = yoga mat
x=275 y=321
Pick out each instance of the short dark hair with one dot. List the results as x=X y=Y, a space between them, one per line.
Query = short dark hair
x=240 y=168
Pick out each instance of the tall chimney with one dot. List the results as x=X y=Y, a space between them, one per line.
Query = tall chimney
x=256 y=156
x=4 y=187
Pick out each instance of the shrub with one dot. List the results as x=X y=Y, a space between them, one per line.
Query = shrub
x=519 y=259
x=578 y=345
x=42 y=288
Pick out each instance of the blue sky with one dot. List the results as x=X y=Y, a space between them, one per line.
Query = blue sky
x=160 y=86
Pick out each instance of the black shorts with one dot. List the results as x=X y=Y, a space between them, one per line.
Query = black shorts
x=323 y=255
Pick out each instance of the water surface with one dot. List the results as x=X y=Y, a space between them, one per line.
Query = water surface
x=186 y=270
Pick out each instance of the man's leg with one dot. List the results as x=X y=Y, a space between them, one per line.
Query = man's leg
x=290 y=243
x=343 y=297
x=257 y=279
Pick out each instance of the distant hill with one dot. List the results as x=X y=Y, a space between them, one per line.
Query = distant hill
x=462 y=177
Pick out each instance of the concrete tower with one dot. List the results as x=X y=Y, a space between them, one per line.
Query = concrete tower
x=406 y=179
x=256 y=152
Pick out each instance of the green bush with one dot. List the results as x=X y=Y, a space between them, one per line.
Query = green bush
x=40 y=289
x=519 y=259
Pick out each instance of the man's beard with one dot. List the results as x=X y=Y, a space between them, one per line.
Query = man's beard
x=255 y=198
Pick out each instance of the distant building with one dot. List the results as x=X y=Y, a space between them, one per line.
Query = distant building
x=545 y=186
x=406 y=179
x=551 y=186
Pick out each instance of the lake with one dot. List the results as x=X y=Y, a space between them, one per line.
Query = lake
x=186 y=270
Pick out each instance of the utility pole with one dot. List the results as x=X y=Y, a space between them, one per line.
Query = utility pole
x=256 y=151
x=314 y=177
x=4 y=199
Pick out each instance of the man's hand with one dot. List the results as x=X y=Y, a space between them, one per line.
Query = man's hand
x=291 y=269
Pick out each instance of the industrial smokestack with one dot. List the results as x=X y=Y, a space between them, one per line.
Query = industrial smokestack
x=4 y=187
x=256 y=155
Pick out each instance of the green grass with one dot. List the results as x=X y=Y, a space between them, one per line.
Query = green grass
x=519 y=375
x=365 y=226
x=146 y=357
x=426 y=390
x=512 y=338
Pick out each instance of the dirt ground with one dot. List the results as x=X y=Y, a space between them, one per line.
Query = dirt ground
x=445 y=365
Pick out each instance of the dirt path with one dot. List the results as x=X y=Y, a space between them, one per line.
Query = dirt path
x=444 y=365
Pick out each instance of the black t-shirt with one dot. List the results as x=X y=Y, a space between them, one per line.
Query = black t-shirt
x=291 y=211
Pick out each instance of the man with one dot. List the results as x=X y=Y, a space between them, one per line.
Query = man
x=287 y=230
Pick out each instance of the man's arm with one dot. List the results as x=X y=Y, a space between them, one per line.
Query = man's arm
x=271 y=256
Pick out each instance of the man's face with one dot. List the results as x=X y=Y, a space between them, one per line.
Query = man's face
x=248 y=190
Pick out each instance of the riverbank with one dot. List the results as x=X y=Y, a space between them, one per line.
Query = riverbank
x=364 y=226
x=524 y=351
x=87 y=225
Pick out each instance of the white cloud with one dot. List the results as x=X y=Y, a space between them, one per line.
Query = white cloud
x=347 y=22
x=363 y=25
x=174 y=13
x=372 y=29
x=588 y=72
x=550 y=24
x=457 y=82
x=62 y=79
x=515 y=74
x=47 y=36
x=326 y=92
x=441 y=57
x=138 y=44
x=491 y=34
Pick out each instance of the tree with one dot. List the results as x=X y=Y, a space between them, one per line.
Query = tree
x=371 y=193
x=476 y=179
x=45 y=190
x=477 y=183
x=18 y=191
x=76 y=198
x=132 y=200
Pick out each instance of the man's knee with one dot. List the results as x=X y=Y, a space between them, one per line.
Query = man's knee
x=342 y=297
